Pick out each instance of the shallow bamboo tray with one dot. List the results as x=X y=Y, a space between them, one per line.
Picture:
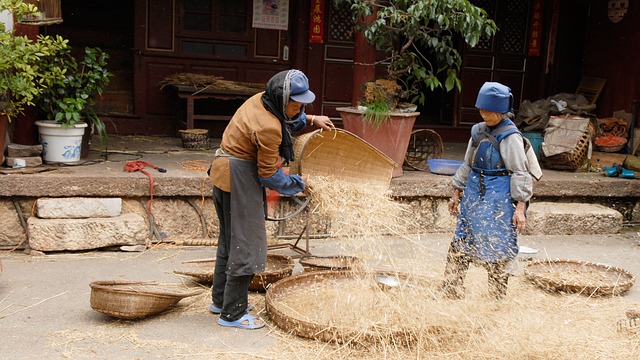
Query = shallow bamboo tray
x=303 y=324
x=278 y=267
x=343 y=155
x=576 y=276
x=135 y=300
x=319 y=263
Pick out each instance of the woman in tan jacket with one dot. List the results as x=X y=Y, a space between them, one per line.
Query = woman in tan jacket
x=254 y=144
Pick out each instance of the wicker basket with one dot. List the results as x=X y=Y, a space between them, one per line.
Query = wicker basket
x=319 y=263
x=424 y=144
x=575 y=276
x=200 y=270
x=571 y=161
x=341 y=154
x=135 y=300
x=278 y=267
x=301 y=324
x=629 y=326
x=195 y=138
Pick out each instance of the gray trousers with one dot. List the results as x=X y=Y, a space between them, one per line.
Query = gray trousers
x=231 y=293
x=456 y=269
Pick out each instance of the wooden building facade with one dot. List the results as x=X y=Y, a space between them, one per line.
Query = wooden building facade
x=543 y=47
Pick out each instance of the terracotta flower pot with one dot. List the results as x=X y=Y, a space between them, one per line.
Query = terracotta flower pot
x=392 y=137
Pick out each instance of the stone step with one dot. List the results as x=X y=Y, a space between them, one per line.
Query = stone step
x=557 y=218
x=78 y=207
x=86 y=234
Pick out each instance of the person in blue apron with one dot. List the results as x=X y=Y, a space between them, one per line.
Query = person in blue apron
x=255 y=143
x=491 y=190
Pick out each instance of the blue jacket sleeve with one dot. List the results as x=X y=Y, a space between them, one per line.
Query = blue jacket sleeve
x=283 y=183
x=300 y=123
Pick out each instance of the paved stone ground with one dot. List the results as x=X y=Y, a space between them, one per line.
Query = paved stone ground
x=45 y=310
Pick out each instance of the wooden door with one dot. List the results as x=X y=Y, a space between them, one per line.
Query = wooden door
x=503 y=58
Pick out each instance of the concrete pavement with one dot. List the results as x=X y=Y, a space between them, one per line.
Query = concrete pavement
x=45 y=311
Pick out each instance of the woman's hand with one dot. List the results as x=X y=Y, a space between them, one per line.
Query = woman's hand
x=454 y=203
x=519 y=219
x=305 y=179
x=321 y=121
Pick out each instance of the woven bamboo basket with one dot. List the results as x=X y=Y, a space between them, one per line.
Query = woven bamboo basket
x=278 y=267
x=343 y=155
x=571 y=161
x=195 y=138
x=629 y=326
x=200 y=270
x=135 y=300
x=576 y=276
x=424 y=144
x=304 y=325
x=319 y=263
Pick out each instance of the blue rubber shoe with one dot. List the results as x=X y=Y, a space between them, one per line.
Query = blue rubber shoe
x=216 y=310
x=251 y=322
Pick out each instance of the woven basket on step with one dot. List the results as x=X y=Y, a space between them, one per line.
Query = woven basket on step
x=575 y=276
x=135 y=300
x=424 y=144
x=343 y=155
x=278 y=267
x=572 y=160
x=195 y=138
x=319 y=263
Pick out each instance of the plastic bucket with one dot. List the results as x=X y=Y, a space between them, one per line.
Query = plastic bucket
x=536 y=139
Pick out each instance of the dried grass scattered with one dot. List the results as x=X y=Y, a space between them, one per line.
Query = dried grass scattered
x=203 y=82
x=356 y=209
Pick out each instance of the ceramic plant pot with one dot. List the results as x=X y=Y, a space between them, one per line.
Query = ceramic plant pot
x=60 y=145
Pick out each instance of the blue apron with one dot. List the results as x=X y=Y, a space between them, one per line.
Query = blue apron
x=485 y=230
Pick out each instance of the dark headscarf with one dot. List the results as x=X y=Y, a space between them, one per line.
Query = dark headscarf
x=275 y=100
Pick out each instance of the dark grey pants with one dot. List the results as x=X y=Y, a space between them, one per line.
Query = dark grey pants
x=231 y=293
x=456 y=270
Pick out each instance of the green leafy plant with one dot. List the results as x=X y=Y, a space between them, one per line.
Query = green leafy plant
x=376 y=113
x=418 y=37
x=72 y=99
x=23 y=77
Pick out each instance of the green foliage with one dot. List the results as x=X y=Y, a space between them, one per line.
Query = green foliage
x=72 y=99
x=23 y=78
x=402 y=28
x=377 y=113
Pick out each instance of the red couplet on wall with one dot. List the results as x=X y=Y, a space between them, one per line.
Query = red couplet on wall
x=535 y=31
x=316 y=25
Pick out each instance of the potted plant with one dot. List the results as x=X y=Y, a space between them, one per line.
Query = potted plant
x=69 y=104
x=22 y=76
x=417 y=37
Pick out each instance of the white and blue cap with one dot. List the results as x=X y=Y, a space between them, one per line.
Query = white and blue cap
x=495 y=97
x=299 y=88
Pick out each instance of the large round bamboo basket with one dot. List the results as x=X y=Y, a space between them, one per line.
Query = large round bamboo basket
x=343 y=155
x=304 y=325
x=278 y=267
x=134 y=299
x=577 y=276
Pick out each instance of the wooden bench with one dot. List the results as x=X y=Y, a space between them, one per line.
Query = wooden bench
x=192 y=94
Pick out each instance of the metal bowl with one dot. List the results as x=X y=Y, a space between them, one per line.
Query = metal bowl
x=443 y=166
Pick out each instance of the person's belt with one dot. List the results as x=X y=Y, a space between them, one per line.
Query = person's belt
x=484 y=173
x=491 y=172
x=221 y=153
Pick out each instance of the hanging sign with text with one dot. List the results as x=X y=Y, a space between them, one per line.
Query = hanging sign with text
x=535 y=30
x=316 y=23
